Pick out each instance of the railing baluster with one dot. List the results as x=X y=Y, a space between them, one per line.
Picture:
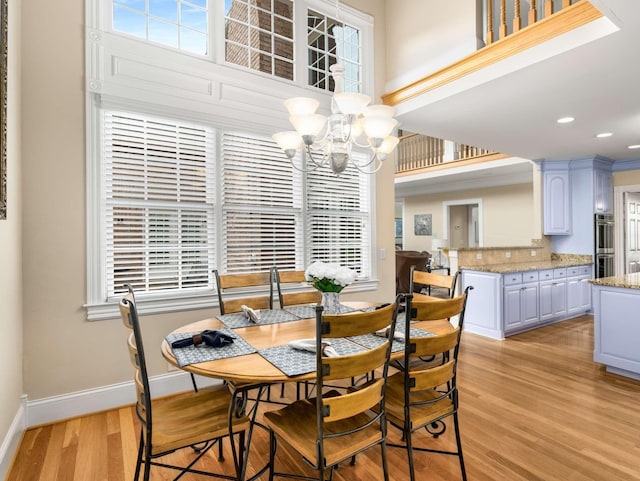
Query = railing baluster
x=548 y=8
x=489 y=22
x=566 y=3
x=516 y=16
x=503 y=19
x=533 y=14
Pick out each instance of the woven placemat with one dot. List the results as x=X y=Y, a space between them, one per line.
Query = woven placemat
x=309 y=312
x=202 y=353
x=267 y=316
x=371 y=341
x=294 y=362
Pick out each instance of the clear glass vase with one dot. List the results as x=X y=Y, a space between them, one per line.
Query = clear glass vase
x=331 y=302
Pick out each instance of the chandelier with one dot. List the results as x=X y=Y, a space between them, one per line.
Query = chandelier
x=351 y=123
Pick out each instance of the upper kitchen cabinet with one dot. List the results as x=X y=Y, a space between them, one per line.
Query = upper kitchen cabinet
x=603 y=184
x=573 y=191
x=556 y=202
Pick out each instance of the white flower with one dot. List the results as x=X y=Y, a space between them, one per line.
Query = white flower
x=328 y=277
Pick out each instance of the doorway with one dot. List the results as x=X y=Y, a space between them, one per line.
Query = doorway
x=462 y=221
x=632 y=232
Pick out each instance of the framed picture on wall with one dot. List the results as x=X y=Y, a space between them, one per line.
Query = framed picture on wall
x=422 y=224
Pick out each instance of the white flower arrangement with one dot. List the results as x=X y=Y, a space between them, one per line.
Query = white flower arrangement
x=329 y=277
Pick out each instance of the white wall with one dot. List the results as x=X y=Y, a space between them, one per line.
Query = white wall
x=424 y=36
x=11 y=317
x=508 y=215
x=65 y=352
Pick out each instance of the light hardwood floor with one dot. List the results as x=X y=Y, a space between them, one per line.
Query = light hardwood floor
x=534 y=407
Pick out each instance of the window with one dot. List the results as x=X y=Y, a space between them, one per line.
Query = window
x=262 y=206
x=259 y=35
x=180 y=24
x=338 y=215
x=159 y=204
x=329 y=42
x=164 y=231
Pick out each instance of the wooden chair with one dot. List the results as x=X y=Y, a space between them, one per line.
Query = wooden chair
x=196 y=420
x=224 y=282
x=336 y=426
x=431 y=279
x=309 y=296
x=423 y=395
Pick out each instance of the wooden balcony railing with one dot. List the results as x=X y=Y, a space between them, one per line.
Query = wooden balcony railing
x=415 y=152
x=505 y=17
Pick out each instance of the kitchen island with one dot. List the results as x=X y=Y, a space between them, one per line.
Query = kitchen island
x=616 y=308
x=511 y=297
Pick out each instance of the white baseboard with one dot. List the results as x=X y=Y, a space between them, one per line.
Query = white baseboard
x=56 y=408
x=11 y=441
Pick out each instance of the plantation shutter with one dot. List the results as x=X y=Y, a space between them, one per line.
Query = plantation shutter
x=262 y=206
x=337 y=218
x=159 y=216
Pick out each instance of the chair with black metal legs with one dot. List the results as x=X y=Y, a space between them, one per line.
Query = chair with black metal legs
x=186 y=420
x=337 y=424
x=423 y=396
x=297 y=295
x=419 y=280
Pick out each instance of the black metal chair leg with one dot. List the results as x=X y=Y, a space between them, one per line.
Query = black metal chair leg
x=139 y=460
x=459 y=443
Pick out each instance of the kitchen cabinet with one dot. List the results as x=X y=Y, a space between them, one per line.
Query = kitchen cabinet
x=553 y=295
x=603 y=187
x=520 y=296
x=578 y=289
x=556 y=202
x=504 y=304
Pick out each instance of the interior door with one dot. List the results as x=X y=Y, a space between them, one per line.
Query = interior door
x=632 y=232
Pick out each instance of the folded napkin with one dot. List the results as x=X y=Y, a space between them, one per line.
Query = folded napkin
x=252 y=314
x=208 y=337
x=397 y=335
x=310 y=345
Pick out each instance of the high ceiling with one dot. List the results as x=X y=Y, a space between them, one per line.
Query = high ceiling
x=513 y=106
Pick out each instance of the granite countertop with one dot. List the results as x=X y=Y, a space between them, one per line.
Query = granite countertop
x=629 y=281
x=557 y=260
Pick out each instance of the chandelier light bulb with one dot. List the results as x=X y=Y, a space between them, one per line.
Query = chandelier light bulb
x=379 y=111
x=378 y=127
x=308 y=126
x=288 y=141
x=350 y=103
x=388 y=144
x=301 y=106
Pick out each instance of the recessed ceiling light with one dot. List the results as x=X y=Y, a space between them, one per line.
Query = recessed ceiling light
x=604 y=134
x=565 y=120
x=636 y=146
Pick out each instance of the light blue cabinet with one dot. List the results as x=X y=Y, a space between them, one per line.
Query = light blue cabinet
x=504 y=304
x=557 y=202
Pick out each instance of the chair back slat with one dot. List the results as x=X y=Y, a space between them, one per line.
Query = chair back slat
x=432 y=279
x=432 y=378
x=434 y=310
x=350 y=404
x=354 y=365
x=357 y=323
x=230 y=281
x=234 y=305
x=295 y=279
x=434 y=345
x=225 y=282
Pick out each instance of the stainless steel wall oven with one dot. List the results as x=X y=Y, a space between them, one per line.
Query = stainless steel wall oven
x=604 y=245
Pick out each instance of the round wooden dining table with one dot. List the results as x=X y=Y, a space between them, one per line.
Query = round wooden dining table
x=255 y=369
